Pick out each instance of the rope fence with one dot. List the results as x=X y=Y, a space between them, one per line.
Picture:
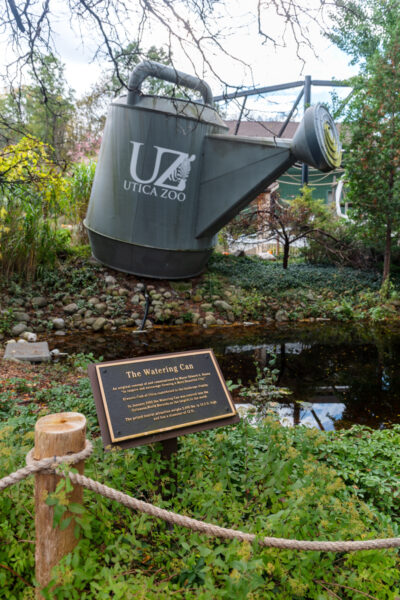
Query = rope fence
x=52 y=466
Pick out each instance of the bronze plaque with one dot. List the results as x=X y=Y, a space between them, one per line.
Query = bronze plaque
x=154 y=398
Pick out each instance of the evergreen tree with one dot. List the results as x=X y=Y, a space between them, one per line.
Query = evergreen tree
x=372 y=37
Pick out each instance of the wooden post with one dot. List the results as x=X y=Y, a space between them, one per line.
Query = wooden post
x=169 y=452
x=55 y=435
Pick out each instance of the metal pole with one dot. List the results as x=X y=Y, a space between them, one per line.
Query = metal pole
x=240 y=116
x=307 y=102
x=282 y=129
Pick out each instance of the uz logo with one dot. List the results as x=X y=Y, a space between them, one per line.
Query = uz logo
x=173 y=177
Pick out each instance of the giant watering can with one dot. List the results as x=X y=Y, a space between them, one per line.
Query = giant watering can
x=169 y=177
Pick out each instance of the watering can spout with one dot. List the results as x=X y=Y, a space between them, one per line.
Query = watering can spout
x=237 y=169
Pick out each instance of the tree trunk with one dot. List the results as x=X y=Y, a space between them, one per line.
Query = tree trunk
x=286 y=248
x=388 y=251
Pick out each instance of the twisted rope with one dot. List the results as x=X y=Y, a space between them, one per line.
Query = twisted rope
x=45 y=465
x=49 y=465
x=223 y=532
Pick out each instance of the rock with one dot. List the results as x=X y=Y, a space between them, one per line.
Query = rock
x=195 y=318
x=90 y=320
x=19 y=328
x=135 y=315
x=136 y=299
x=18 y=301
x=88 y=313
x=59 y=332
x=39 y=301
x=139 y=287
x=281 y=315
x=119 y=321
x=230 y=316
x=167 y=295
x=197 y=298
x=220 y=322
x=99 y=324
x=206 y=306
x=22 y=316
x=210 y=319
x=93 y=301
x=221 y=304
x=101 y=307
x=178 y=321
x=70 y=309
x=123 y=292
x=29 y=336
x=110 y=280
x=156 y=296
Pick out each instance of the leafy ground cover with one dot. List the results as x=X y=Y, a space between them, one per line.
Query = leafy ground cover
x=269 y=480
x=253 y=272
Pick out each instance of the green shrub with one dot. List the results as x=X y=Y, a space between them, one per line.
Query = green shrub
x=264 y=480
x=77 y=192
x=30 y=203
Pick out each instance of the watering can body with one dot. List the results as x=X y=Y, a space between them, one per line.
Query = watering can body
x=169 y=177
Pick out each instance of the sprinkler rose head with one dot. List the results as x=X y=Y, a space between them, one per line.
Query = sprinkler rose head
x=316 y=141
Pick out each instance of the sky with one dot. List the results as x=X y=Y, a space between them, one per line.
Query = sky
x=267 y=65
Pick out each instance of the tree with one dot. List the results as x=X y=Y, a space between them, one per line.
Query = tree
x=198 y=28
x=288 y=222
x=372 y=36
x=43 y=111
x=295 y=220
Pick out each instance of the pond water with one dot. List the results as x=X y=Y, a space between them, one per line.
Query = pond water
x=339 y=375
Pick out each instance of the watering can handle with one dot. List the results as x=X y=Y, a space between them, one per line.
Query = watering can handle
x=149 y=68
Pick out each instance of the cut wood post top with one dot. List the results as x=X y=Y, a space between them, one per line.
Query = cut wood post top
x=59 y=434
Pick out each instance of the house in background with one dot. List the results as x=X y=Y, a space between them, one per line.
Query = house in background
x=325 y=186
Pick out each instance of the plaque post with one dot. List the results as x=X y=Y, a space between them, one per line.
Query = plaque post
x=169 y=452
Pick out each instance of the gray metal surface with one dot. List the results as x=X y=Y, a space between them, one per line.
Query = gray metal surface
x=149 y=68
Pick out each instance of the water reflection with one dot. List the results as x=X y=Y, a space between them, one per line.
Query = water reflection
x=322 y=416
x=338 y=375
